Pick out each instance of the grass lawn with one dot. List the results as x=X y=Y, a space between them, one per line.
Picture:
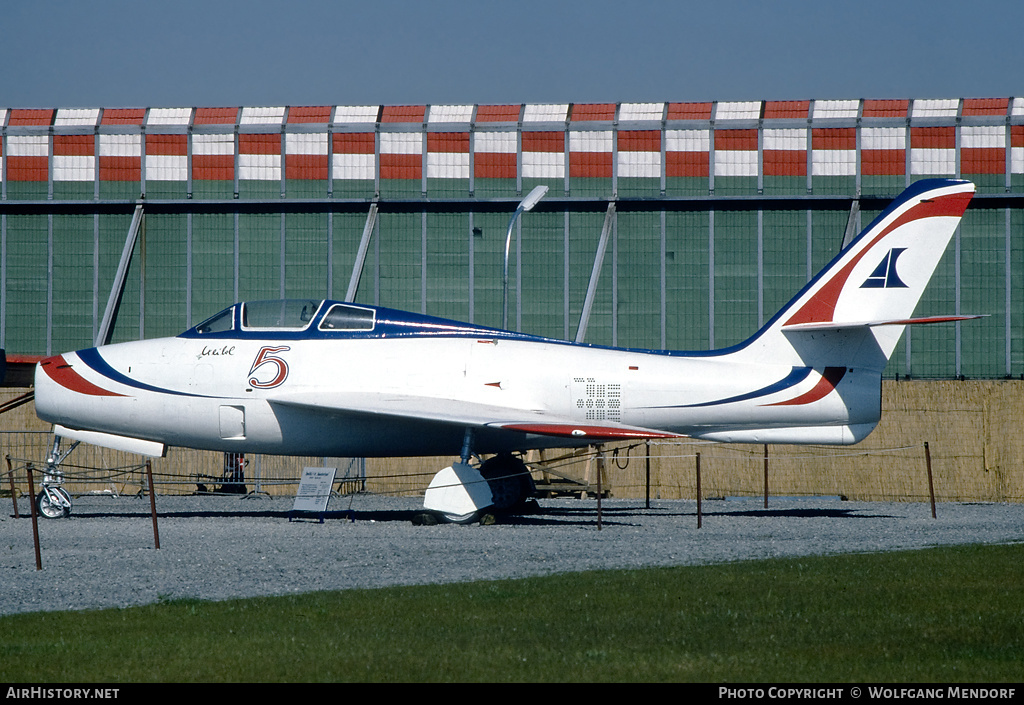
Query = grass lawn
x=943 y=615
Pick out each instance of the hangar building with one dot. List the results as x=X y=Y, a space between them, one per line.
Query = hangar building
x=666 y=225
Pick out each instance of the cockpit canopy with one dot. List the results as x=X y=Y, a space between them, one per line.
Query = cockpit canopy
x=288 y=315
x=309 y=319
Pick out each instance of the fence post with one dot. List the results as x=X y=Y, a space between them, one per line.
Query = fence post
x=699 y=516
x=14 y=492
x=35 y=522
x=765 y=475
x=931 y=484
x=152 y=503
x=647 y=446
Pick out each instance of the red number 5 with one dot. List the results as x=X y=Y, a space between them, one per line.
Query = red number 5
x=266 y=356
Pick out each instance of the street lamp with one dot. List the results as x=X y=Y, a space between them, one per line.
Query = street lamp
x=526 y=204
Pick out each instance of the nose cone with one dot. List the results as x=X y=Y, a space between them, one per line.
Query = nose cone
x=60 y=370
x=48 y=390
x=52 y=370
x=60 y=389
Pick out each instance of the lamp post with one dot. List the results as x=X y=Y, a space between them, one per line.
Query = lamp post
x=526 y=204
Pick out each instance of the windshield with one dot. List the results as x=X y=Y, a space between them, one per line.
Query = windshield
x=287 y=314
x=220 y=323
x=344 y=317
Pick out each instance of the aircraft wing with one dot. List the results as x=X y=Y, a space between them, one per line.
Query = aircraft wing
x=467 y=414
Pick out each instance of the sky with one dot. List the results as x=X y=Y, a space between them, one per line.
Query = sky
x=213 y=53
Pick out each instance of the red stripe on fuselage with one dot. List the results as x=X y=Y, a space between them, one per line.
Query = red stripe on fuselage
x=58 y=369
x=829 y=379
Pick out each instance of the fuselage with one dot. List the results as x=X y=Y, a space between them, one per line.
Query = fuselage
x=378 y=382
x=302 y=377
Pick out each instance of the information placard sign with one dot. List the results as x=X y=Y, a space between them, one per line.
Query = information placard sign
x=314 y=490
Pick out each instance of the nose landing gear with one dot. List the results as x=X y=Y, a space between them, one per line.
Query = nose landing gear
x=53 y=501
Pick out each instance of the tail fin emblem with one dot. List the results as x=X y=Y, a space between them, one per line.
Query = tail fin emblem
x=885 y=276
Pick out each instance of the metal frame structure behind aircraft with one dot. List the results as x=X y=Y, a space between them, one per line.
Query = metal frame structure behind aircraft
x=339 y=379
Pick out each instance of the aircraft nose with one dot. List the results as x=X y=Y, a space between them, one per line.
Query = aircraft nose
x=48 y=367
x=46 y=362
x=47 y=388
x=59 y=370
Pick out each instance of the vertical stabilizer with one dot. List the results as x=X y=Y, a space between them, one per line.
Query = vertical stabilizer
x=870 y=290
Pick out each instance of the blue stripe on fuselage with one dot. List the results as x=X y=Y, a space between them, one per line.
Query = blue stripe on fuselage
x=796 y=376
x=92 y=358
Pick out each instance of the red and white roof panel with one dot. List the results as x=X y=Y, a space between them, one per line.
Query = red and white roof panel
x=883 y=151
x=544 y=155
x=166 y=157
x=933 y=151
x=641 y=112
x=450 y=114
x=784 y=152
x=736 y=151
x=834 y=151
x=361 y=115
x=639 y=154
x=74 y=158
x=590 y=140
x=21 y=117
x=310 y=115
x=262 y=116
x=168 y=117
x=689 y=111
x=535 y=113
x=741 y=110
x=835 y=109
x=77 y=117
x=448 y=155
x=1017 y=149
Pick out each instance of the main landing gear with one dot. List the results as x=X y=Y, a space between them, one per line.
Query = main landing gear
x=464 y=494
x=53 y=501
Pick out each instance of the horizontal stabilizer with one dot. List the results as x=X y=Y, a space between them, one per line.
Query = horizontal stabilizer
x=836 y=325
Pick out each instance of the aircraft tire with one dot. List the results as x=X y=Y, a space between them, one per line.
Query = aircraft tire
x=464 y=519
x=425 y=519
x=49 y=509
x=433 y=518
x=509 y=479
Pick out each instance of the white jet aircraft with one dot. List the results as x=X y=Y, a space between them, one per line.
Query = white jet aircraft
x=329 y=378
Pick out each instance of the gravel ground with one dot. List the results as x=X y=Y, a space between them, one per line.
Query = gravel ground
x=217 y=547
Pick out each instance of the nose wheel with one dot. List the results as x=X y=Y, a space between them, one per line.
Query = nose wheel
x=53 y=502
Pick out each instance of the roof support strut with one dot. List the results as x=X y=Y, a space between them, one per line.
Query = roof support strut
x=106 y=329
x=364 y=244
x=595 y=275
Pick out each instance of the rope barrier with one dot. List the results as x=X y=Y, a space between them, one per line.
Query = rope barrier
x=671 y=459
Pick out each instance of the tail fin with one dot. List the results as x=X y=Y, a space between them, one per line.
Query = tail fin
x=870 y=290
